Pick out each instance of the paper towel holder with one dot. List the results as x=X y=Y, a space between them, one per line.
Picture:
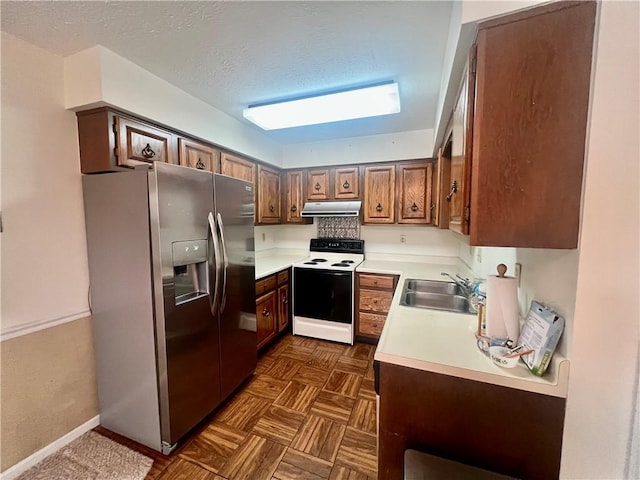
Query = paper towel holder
x=502 y=269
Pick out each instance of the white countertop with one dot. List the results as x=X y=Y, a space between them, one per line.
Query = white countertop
x=444 y=342
x=276 y=259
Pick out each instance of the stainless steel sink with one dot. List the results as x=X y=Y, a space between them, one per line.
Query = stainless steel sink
x=434 y=295
x=433 y=286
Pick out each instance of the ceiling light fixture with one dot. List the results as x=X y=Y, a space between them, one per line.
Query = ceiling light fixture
x=344 y=105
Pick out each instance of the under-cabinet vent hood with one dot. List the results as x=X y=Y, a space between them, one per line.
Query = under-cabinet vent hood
x=331 y=209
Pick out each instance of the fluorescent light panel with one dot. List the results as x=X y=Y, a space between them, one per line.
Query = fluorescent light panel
x=333 y=107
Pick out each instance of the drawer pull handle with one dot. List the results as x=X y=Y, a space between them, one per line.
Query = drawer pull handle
x=378 y=208
x=147 y=152
x=345 y=185
x=375 y=300
x=200 y=165
x=317 y=186
x=414 y=207
x=265 y=312
x=375 y=282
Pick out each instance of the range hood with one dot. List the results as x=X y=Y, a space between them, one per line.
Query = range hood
x=331 y=209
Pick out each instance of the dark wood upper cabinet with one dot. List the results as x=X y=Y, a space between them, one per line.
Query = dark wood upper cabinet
x=414 y=190
x=318 y=185
x=238 y=167
x=529 y=128
x=458 y=196
x=198 y=155
x=379 y=193
x=110 y=141
x=268 y=195
x=345 y=181
x=294 y=197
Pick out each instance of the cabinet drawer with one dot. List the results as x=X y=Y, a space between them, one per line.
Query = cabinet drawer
x=370 y=323
x=265 y=284
x=376 y=281
x=283 y=277
x=375 y=301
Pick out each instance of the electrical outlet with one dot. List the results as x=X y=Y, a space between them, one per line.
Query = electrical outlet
x=403 y=239
x=518 y=272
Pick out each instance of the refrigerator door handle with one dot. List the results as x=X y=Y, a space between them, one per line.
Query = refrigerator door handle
x=225 y=261
x=215 y=288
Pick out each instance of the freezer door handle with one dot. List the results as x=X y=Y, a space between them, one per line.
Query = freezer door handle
x=214 y=290
x=225 y=261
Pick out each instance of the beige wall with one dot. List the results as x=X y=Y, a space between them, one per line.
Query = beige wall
x=47 y=388
x=44 y=254
x=605 y=337
x=48 y=380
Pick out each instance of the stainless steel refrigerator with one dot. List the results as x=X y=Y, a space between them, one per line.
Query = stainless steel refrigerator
x=171 y=265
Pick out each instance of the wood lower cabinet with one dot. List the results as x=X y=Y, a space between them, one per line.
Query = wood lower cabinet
x=374 y=293
x=198 y=155
x=379 y=193
x=266 y=317
x=294 y=197
x=268 y=206
x=273 y=306
x=501 y=429
x=414 y=190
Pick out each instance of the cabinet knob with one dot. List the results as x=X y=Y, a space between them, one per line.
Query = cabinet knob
x=378 y=208
x=265 y=312
x=147 y=152
x=375 y=282
x=414 y=207
x=454 y=189
x=345 y=185
x=317 y=186
x=200 y=165
x=375 y=300
x=294 y=209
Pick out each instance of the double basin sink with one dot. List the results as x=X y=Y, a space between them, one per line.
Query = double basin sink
x=436 y=295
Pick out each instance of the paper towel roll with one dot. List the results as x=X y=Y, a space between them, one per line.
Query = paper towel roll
x=502 y=307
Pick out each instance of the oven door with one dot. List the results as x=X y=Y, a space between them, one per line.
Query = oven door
x=323 y=294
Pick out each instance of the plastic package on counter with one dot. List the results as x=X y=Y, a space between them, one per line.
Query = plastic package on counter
x=540 y=332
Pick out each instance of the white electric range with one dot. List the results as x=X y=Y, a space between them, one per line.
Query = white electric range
x=323 y=284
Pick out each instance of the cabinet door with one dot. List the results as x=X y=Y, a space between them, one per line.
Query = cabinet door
x=294 y=199
x=530 y=128
x=197 y=155
x=139 y=143
x=379 y=194
x=318 y=184
x=345 y=181
x=266 y=313
x=283 y=307
x=268 y=195
x=238 y=167
x=459 y=189
x=414 y=192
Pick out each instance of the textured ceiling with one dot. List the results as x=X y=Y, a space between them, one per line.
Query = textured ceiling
x=232 y=54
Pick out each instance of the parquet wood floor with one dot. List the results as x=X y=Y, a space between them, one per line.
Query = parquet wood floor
x=308 y=413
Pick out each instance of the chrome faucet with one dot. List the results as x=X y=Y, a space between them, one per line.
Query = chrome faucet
x=463 y=283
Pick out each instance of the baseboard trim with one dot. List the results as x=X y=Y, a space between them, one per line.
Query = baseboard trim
x=24 y=465
x=19 y=330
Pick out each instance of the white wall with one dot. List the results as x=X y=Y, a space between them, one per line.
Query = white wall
x=605 y=337
x=44 y=255
x=98 y=76
x=373 y=148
